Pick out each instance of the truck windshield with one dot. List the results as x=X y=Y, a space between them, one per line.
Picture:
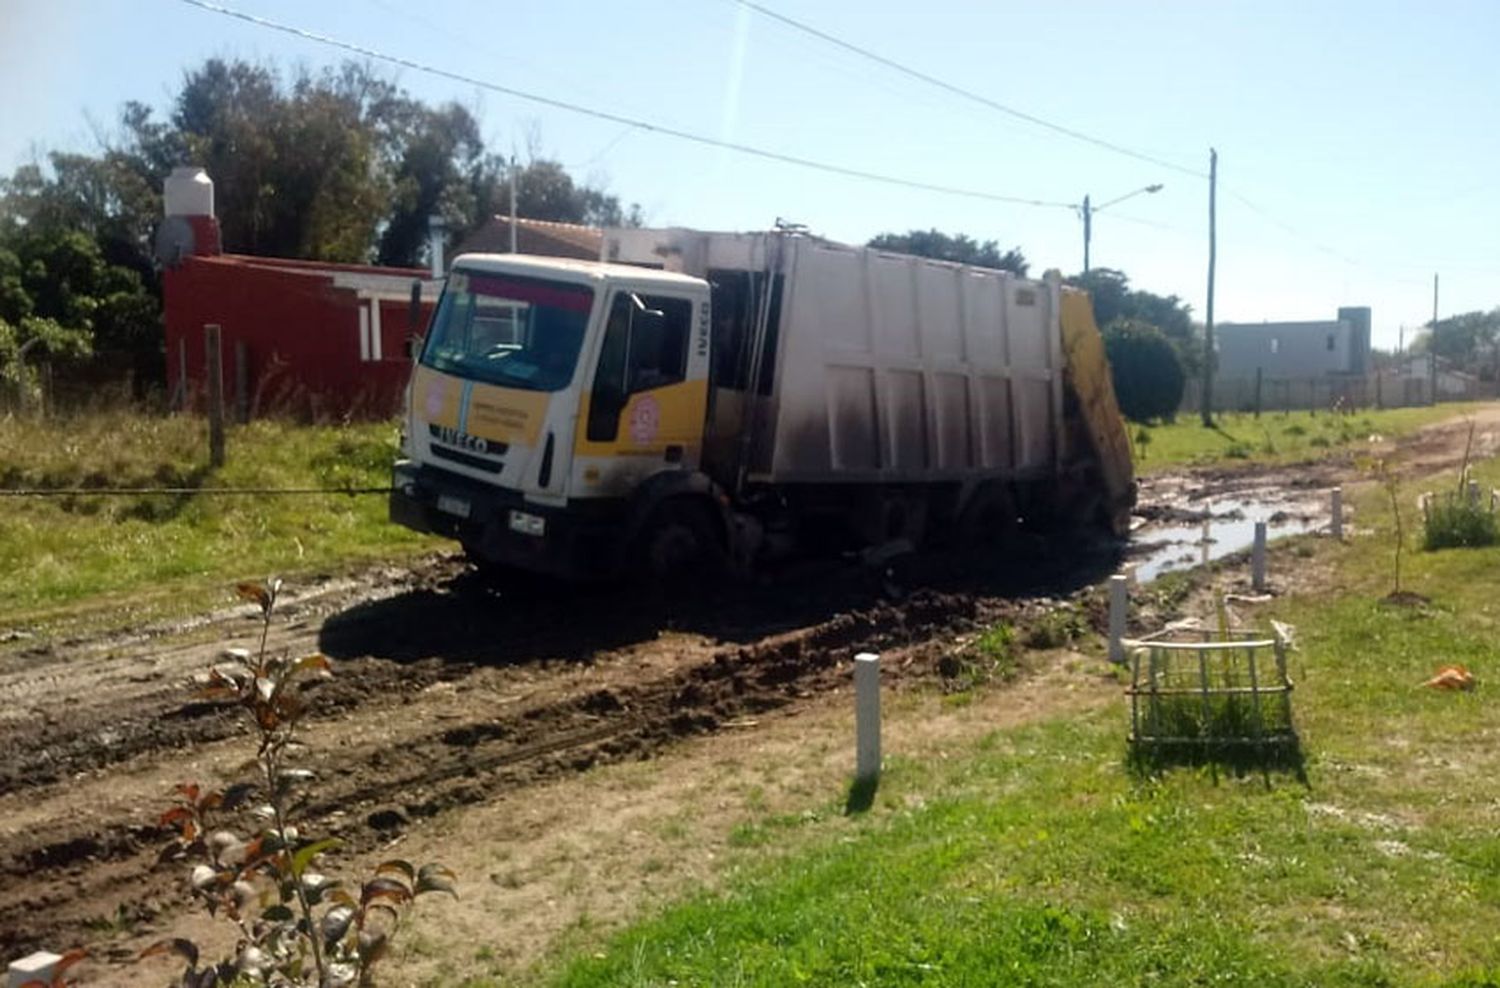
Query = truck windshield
x=512 y=331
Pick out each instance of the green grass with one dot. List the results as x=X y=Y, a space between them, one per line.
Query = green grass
x=160 y=552
x=1274 y=437
x=1453 y=522
x=1039 y=857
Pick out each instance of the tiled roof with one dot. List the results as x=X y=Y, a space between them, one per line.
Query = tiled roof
x=534 y=237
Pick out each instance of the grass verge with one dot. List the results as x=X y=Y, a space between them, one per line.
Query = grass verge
x=161 y=552
x=1039 y=858
x=1274 y=437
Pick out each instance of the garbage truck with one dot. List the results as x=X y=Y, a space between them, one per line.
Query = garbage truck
x=694 y=401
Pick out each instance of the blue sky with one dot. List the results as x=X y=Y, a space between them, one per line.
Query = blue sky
x=1357 y=140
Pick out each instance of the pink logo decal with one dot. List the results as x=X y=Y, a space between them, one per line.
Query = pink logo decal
x=435 y=395
x=645 y=420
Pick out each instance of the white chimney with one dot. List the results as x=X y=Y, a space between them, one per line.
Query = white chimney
x=189 y=192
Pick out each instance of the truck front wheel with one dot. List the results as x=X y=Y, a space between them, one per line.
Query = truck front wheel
x=678 y=542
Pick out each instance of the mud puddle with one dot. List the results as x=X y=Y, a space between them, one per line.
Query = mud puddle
x=1181 y=529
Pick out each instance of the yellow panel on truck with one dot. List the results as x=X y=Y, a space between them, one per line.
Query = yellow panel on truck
x=1086 y=375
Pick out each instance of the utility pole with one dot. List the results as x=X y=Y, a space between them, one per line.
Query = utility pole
x=1208 y=316
x=1088 y=209
x=1432 y=344
x=513 y=204
x=1088 y=231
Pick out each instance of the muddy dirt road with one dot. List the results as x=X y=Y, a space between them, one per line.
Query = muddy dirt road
x=448 y=691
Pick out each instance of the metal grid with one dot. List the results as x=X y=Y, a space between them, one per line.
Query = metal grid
x=1210 y=687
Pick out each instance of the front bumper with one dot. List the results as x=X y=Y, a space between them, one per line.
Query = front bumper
x=580 y=541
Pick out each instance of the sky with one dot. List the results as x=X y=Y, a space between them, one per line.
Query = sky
x=1357 y=140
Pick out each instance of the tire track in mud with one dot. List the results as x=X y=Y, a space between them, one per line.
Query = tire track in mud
x=62 y=882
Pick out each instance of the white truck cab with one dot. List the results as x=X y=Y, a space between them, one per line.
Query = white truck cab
x=546 y=396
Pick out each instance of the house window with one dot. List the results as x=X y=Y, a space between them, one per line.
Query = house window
x=1275 y=345
x=1330 y=342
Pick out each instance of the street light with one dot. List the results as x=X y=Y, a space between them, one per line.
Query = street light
x=1088 y=212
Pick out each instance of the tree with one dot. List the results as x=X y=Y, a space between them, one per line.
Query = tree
x=959 y=248
x=1470 y=341
x=1114 y=300
x=439 y=156
x=1144 y=366
x=545 y=191
x=340 y=165
x=60 y=300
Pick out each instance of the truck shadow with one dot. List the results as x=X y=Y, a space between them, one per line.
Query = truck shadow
x=468 y=618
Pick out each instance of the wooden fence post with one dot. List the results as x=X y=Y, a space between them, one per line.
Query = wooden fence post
x=241 y=382
x=214 y=370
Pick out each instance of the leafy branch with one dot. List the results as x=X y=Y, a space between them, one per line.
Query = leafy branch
x=297 y=928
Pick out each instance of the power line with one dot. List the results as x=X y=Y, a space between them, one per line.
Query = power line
x=968 y=94
x=616 y=118
x=1317 y=245
x=1041 y=122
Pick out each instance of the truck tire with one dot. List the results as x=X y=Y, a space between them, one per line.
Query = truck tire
x=677 y=544
x=990 y=519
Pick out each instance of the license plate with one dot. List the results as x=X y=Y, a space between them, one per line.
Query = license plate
x=527 y=523
x=457 y=506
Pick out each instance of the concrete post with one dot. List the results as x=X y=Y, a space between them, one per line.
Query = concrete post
x=867 y=717
x=1258 y=558
x=1119 y=601
x=1336 y=525
x=33 y=968
x=1474 y=493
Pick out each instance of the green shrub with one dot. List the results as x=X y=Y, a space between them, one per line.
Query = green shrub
x=991 y=656
x=1146 y=370
x=1055 y=629
x=1452 y=522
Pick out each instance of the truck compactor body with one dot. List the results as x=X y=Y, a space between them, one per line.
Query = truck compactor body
x=695 y=399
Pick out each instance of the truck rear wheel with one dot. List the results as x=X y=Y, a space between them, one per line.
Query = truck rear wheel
x=990 y=519
x=678 y=543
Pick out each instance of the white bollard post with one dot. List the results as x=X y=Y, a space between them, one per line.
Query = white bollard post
x=33 y=968
x=867 y=717
x=1258 y=558
x=1336 y=526
x=1119 y=600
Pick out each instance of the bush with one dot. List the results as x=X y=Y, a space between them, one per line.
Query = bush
x=1452 y=522
x=1147 y=372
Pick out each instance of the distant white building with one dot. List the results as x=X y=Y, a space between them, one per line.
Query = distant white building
x=1290 y=350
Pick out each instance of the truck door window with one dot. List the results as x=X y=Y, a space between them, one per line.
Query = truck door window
x=645 y=347
x=737 y=296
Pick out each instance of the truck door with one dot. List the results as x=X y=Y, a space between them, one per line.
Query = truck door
x=643 y=411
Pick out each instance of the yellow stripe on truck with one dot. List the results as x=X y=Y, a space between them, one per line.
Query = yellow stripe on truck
x=650 y=422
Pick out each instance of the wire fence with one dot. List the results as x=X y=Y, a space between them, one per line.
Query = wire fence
x=188 y=491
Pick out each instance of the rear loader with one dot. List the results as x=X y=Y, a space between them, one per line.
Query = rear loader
x=698 y=399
